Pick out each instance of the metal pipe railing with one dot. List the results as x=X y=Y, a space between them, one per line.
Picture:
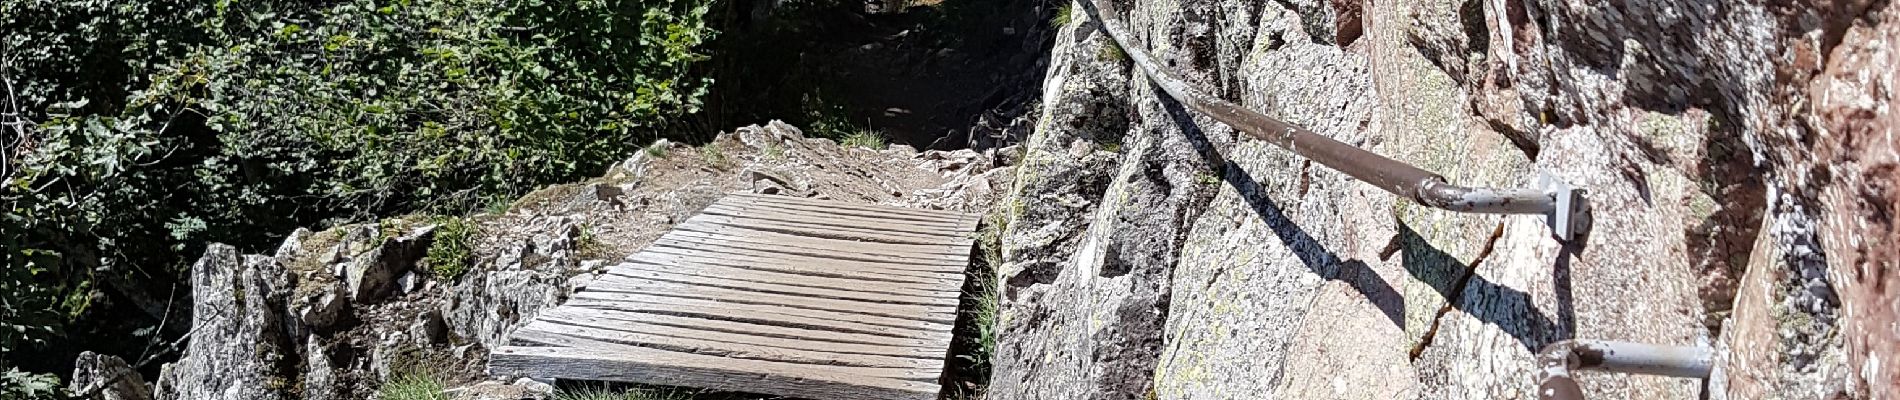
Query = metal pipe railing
x=1566 y=210
x=1556 y=361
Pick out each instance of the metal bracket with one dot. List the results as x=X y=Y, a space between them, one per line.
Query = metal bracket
x=1569 y=215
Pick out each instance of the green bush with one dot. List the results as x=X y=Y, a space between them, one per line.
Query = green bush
x=449 y=254
x=149 y=128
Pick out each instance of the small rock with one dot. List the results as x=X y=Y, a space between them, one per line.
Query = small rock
x=535 y=386
x=429 y=328
x=92 y=369
x=323 y=309
x=372 y=276
x=408 y=283
x=493 y=390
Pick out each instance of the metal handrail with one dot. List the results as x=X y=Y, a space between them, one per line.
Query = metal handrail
x=1557 y=360
x=1566 y=210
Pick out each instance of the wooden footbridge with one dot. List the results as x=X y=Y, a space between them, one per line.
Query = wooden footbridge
x=767 y=294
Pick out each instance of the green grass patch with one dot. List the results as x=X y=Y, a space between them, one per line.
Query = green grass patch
x=450 y=253
x=659 y=149
x=414 y=384
x=1064 y=14
x=1111 y=52
x=774 y=152
x=603 y=393
x=712 y=155
x=589 y=246
x=866 y=138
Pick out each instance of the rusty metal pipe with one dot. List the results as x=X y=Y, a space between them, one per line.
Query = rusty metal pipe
x=1567 y=211
x=1557 y=360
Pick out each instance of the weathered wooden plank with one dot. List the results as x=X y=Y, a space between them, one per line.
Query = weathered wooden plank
x=664 y=336
x=793 y=258
x=753 y=275
x=865 y=281
x=828 y=212
x=620 y=274
x=751 y=296
x=765 y=212
x=841 y=205
x=837 y=269
x=552 y=331
x=886 y=227
x=909 y=347
x=934 y=264
x=662 y=367
x=761 y=314
x=763 y=237
x=841 y=232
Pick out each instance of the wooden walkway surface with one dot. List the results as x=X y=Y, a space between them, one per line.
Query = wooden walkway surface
x=767 y=294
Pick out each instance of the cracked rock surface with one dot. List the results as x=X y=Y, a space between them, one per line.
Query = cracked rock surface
x=1738 y=156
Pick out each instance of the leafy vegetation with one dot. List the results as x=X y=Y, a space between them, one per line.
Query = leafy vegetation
x=17 y=385
x=449 y=254
x=136 y=131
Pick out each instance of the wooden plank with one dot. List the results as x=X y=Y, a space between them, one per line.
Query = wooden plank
x=830 y=223
x=753 y=275
x=937 y=264
x=661 y=254
x=841 y=232
x=843 y=205
x=865 y=280
x=809 y=263
x=748 y=296
x=761 y=314
x=750 y=236
x=640 y=330
x=552 y=332
x=836 y=213
x=620 y=274
x=815 y=337
x=662 y=367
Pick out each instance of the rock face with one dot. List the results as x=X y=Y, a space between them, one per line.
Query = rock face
x=1210 y=268
x=240 y=344
x=110 y=376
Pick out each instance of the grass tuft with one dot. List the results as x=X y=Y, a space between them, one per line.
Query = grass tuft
x=659 y=148
x=712 y=155
x=414 y=385
x=774 y=152
x=449 y=254
x=603 y=393
x=1064 y=14
x=1111 y=52
x=868 y=138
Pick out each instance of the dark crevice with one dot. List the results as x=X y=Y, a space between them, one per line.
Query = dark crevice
x=1457 y=291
